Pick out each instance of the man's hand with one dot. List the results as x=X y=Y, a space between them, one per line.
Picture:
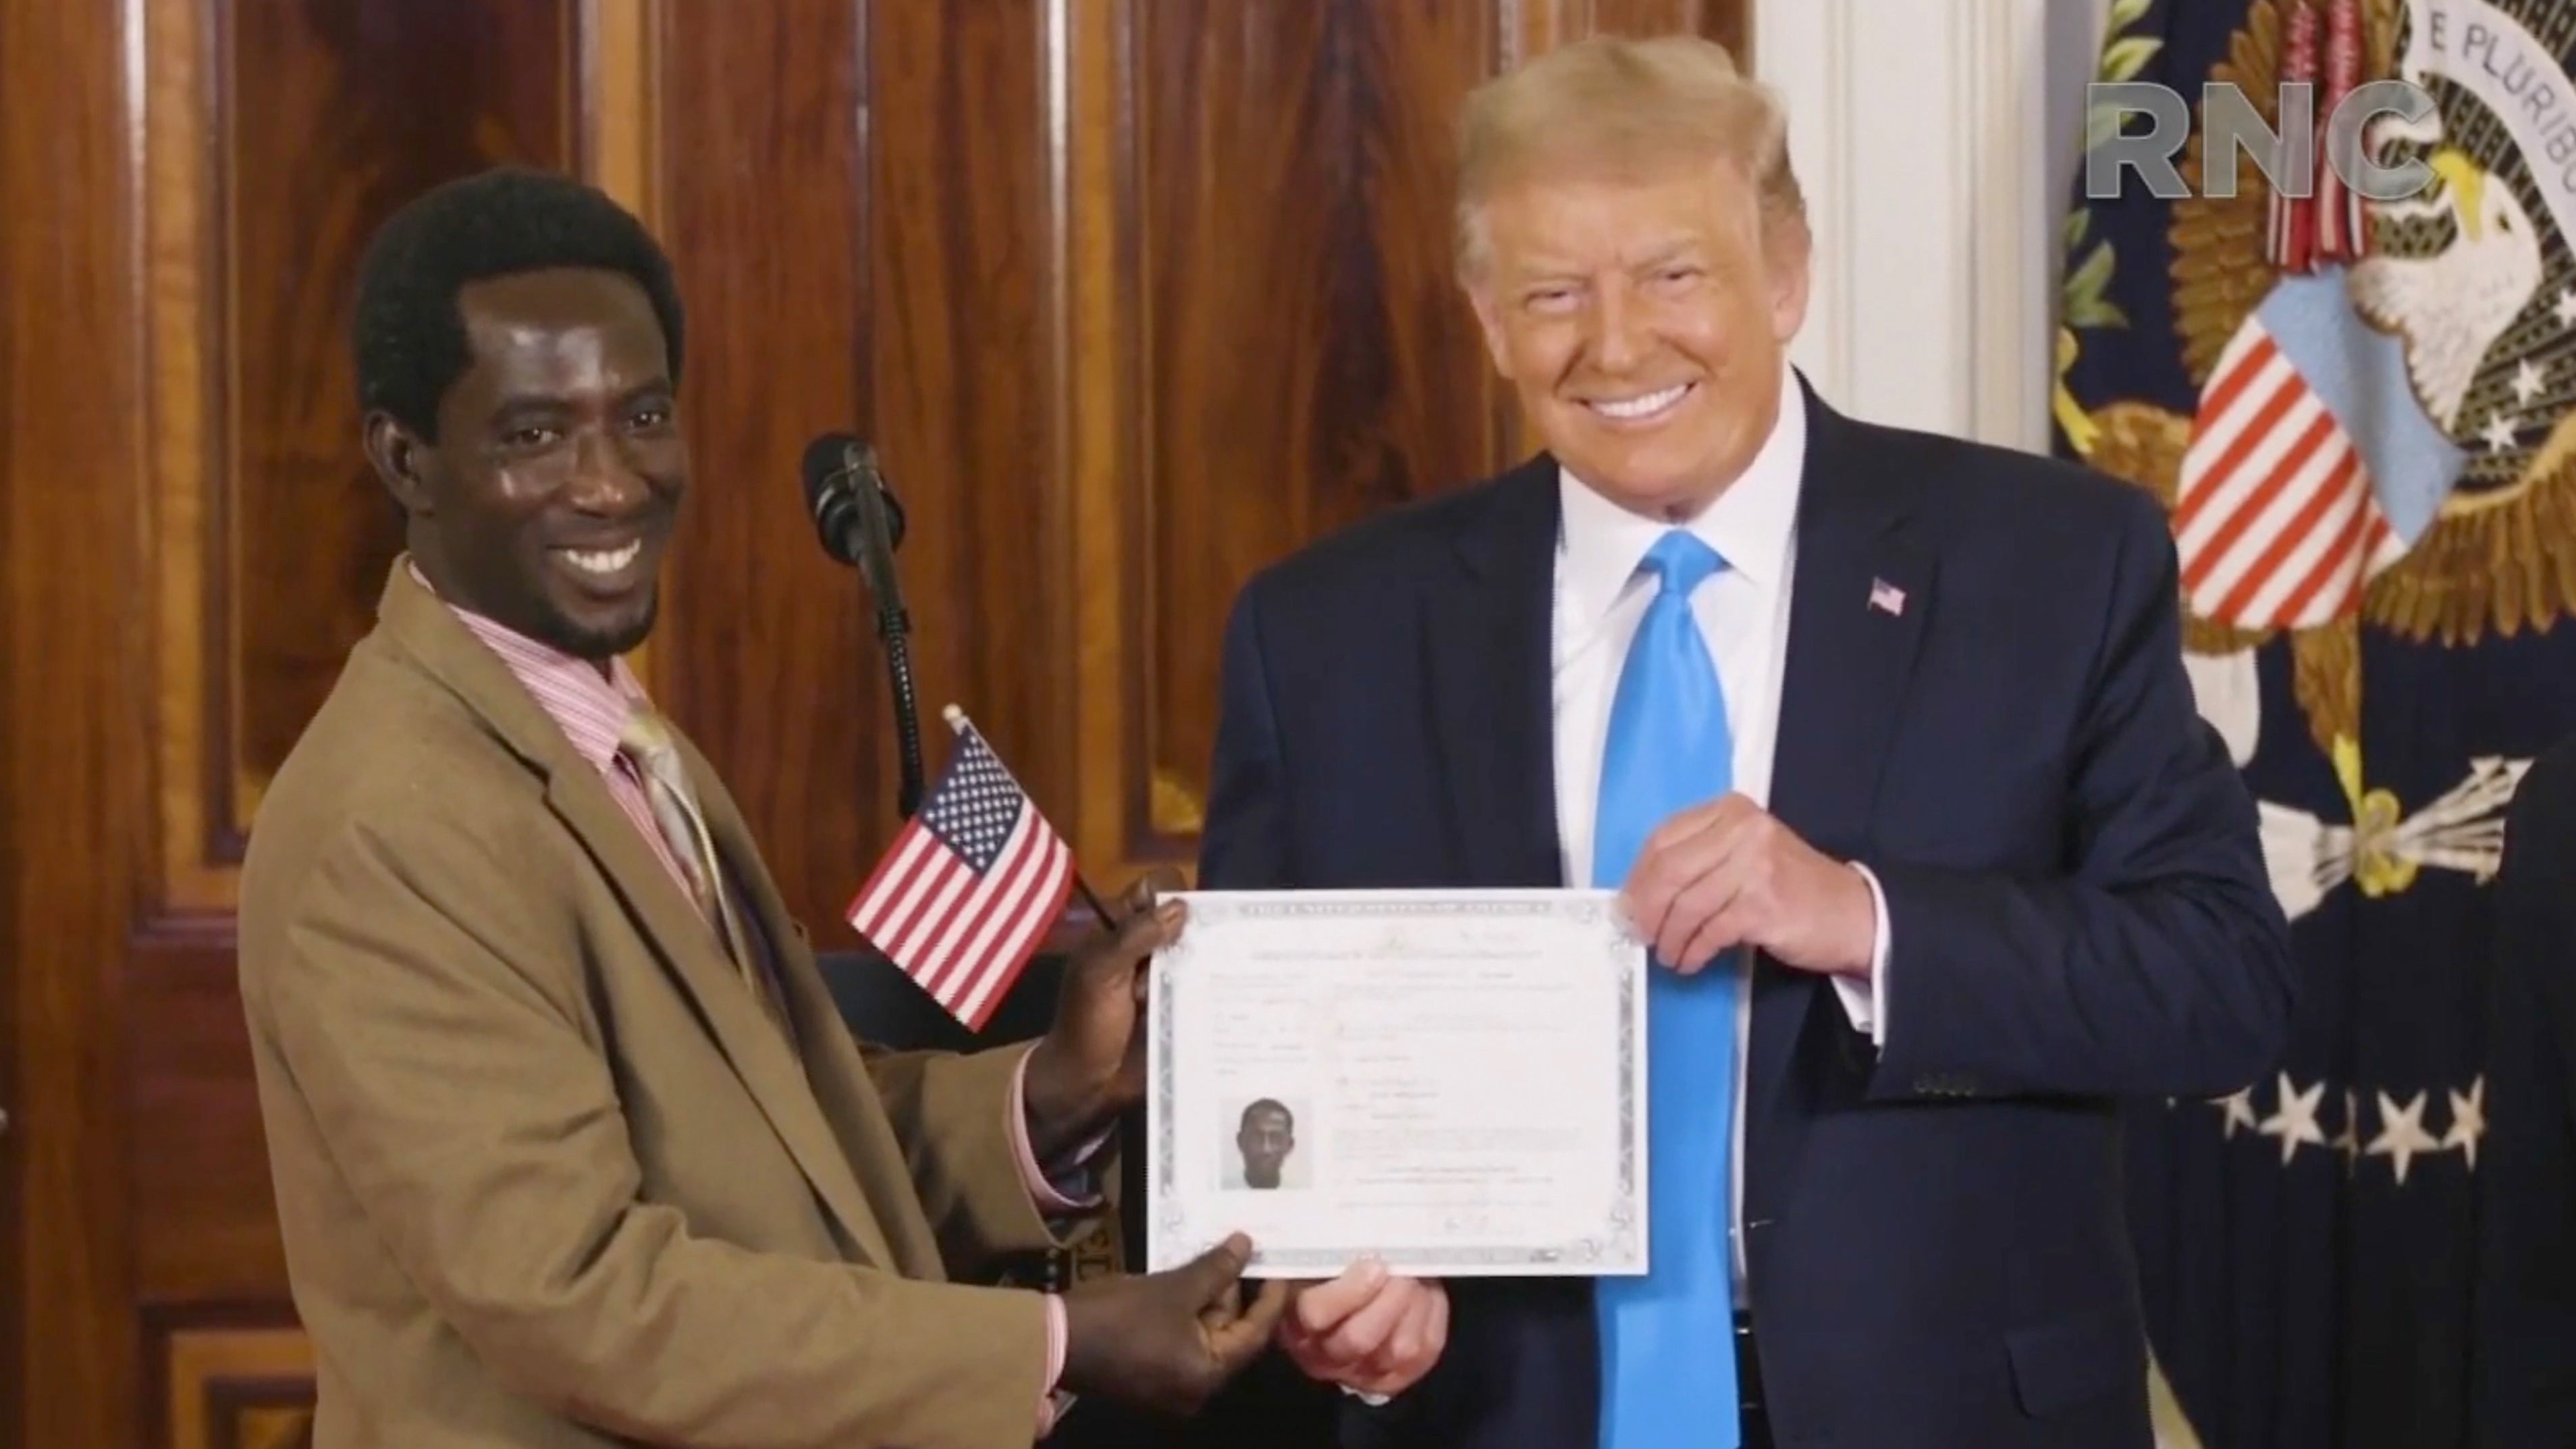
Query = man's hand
x=1090 y=1066
x=1366 y=1330
x=1727 y=874
x=1168 y=1341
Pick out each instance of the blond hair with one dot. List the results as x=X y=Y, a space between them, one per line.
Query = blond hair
x=1624 y=107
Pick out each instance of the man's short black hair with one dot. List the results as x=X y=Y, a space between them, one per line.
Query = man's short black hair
x=410 y=337
x=1268 y=1104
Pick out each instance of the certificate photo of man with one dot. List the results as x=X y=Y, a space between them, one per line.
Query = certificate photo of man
x=1261 y=1153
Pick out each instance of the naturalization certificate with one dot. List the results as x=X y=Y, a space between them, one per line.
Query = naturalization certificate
x=1453 y=1082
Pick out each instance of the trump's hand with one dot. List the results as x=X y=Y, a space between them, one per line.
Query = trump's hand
x=1728 y=874
x=1367 y=1330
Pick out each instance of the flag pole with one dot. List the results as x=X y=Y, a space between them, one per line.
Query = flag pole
x=958 y=722
x=1097 y=909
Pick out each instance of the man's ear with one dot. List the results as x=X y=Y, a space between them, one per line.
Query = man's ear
x=397 y=455
x=1788 y=253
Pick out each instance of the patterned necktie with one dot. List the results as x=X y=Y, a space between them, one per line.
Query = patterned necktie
x=646 y=742
x=1668 y=1337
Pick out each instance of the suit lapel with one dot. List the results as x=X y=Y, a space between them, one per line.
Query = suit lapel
x=836 y=1077
x=1485 y=647
x=1858 y=606
x=444 y=649
x=761 y=1056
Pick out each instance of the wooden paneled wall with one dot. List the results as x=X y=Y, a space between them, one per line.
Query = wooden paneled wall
x=1133 y=295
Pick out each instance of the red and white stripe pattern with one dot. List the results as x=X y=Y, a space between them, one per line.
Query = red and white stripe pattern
x=2274 y=519
x=970 y=886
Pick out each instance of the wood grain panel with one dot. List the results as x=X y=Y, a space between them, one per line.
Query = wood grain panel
x=761 y=653
x=274 y=537
x=621 y=82
x=1306 y=362
x=909 y=213
x=231 y=1385
x=967 y=361
x=205 y=1223
x=358 y=108
x=181 y=306
x=71 y=460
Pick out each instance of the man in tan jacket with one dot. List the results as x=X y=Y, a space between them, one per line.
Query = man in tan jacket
x=570 y=1146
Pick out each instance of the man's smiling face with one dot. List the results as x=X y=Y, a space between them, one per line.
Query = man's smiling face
x=549 y=495
x=1644 y=321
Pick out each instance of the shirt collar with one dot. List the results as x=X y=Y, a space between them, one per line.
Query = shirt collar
x=1749 y=525
x=591 y=711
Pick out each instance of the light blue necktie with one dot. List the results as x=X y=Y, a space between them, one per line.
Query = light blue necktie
x=1668 y=1338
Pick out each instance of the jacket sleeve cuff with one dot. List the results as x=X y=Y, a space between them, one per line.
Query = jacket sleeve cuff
x=1864 y=1001
x=1054 y=1401
x=1074 y=1190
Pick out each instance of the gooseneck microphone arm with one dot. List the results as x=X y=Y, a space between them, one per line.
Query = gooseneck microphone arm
x=862 y=524
x=894 y=628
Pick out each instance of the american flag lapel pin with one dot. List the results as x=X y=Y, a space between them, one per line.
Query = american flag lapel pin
x=1886 y=598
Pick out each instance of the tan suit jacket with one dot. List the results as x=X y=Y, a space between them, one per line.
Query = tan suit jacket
x=547 y=1171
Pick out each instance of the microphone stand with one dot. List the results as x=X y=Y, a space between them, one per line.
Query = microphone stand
x=893 y=627
x=894 y=631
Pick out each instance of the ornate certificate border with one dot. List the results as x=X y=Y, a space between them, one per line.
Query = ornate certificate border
x=1616 y=1245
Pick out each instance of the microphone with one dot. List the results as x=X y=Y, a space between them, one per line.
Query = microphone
x=861 y=524
x=852 y=506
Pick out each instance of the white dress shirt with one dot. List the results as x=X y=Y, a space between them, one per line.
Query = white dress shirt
x=1743 y=613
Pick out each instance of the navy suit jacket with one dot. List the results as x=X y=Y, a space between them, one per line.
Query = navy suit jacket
x=2078 y=909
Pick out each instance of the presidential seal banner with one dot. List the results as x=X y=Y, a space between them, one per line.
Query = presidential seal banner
x=2361 y=414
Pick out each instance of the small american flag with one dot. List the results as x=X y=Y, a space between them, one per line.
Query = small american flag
x=1885 y=597
x=970 y=885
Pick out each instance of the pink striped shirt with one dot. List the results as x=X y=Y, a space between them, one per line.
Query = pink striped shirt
x=592 y=709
